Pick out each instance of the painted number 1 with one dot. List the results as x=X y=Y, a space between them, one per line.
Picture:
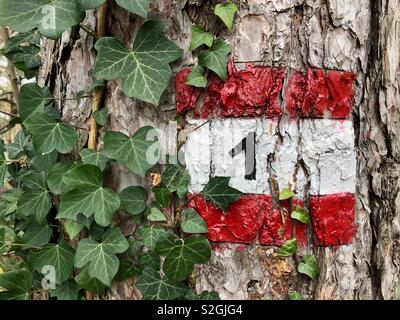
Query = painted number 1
x=247 y=145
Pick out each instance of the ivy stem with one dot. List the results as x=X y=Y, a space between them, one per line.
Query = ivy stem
x=89 y=30
x=22 y=245
x=66 y=99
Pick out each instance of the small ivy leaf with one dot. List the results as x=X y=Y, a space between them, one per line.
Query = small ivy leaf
x=181 y=255
x=288 y=248
x=295 y=296
x=32 y=99
x=44 y=162
x=49 y=135
x=28 y=55
x=151 y=260
x=96 y=158
x=101 y=117
x=197 y=78
x=161 y=195
x=128 y=270
x=155 y=215
x=67 y=291
x=218 y=191
x=101 y=257
x=20 y=40
x=60 y=256
x=154 y=287
x=193 y=222
x=2 y=241
x=176 y=179
x=52 y=18
x=72 y=228
x=95 y=84
x=285 y=194
x=19 y=147
x=84 y=5
x=3 y=164
x=85 y=281
x=133 y=199
x=132 y=152
x=83 y=177
x=139 y=7
x=37 y=234
x=17 y=284
x=200 y=37
x=309 y=267
x=145 y=71
x=151 y=235
x=54 y=179
x=226 y=11
x=9 y=202
x=216 y=59
x=301 y=215
x=205 y=295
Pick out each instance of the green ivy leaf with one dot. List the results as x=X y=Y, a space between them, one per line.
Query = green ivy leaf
x=49 y=135
x=139 y=7
x=205 y=295
x=19 y=147
x=54 y=179
x=309 y=267
x=85 y=281
x=181 y=255
x=193 y=222
x=176 y=179
x=285 y=194
x=151 y=260
x=52 y=18
x=128 y=270
x=44 y=162
x=83 y=177
x=89 y=4
x=295 y=296
x=226 y=11
x=197 y=78
x=67 y=291
x=131 y=152
x=155 y=215
x=32 y=99
x=3 y=164
x=94 y=157
x=15 y=43
x=200 y=37
x=37 y=234
x=151 y=235
x=2 y=241
x=17 y=284
x=101 y=117
x=28 y=55
x=72 y=228
x=101 y=257
x=216 y=59
x=133 y=199
x=161 y=195
x=153 y=287
x=288 y=248
x=9 y=202
x=60 y=256
x=145 y=70
x=301 y=215
x=218 y=191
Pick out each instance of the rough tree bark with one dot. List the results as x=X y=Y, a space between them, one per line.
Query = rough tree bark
x=356 y=35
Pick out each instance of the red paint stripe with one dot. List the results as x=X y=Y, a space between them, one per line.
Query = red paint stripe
x=255 y=91
x=333 y=219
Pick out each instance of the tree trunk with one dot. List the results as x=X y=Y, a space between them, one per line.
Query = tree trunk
x=361 y=36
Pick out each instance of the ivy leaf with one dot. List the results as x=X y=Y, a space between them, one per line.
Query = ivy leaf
x=145 y=70
x=131 y=152
x=216 y=59
x=19 y=147
x=151 y=235
x=85 y=281
x=127 y=270
x=161 y=195
x=301 y=215
x=2 y=241
x=9 y=202
x=37 y=234
x=20 y=40
x=73 y=228
x=197 y=78
x=44 y=162
x=133 y=199
x=17 y=284
x=295 y=296
x=52 y=18
x=285 y=194
x=60 y=256
x=94 y=157
x=89 y=4
x=101 y=257
x=151 y=260
x=49 y=135
x=155 y=215
x=101 y=117
x=309 y=267
x=288 y=248
x=28 y=55
x=32 y=99
x=218 y=191
x=193 y=222
x=3 y=164
x=153 y=287
x=175 y=178
x=205 y=295
x=54 y=179
x=226 y=11
x=139 y=7
x=67 y=291
x=83 y=177
x=181 y=255
x=200 y=37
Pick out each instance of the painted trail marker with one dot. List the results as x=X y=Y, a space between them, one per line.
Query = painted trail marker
x=244 y=133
